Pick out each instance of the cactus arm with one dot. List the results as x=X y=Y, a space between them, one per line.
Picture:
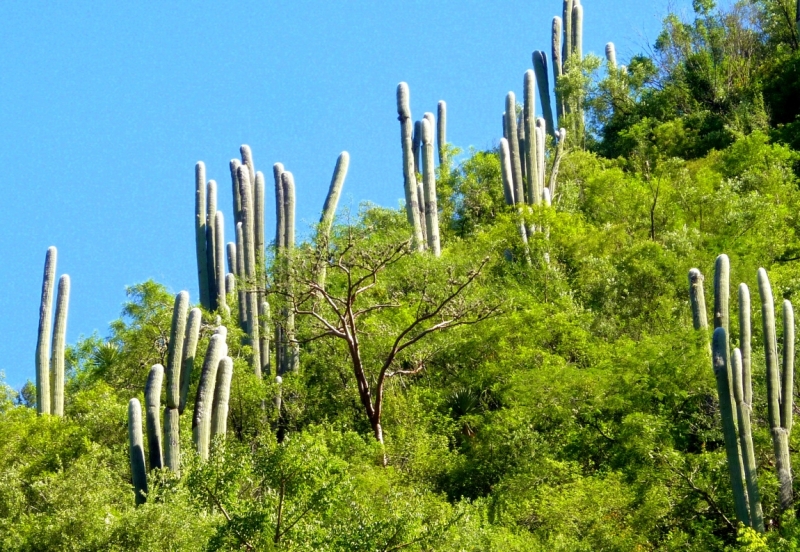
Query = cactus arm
x=258 y=226
x=329 y=212
x=231 y=252
x=280 y=227
x=291 y=358
x=416 y=140
x=562 y=140
x=543 y=81
x=200 y=232
x=697 y=300
x=567 y=48
x=237 y=197
x=43 y=341
x=611 y=55
x=441 y=131
x=523 y=153
x=240 y=270
x=421 y=205
x=540 y=150
x=429 y=183
x=722 y=272
x=558 y=65
x=745 y=343
x=787 y=384
x=211 y=246
x=250 y=294
x=264 y=316
x=529 y=121
x=247 y=160
x=409 y=176
x=219 y=260
x=201 y=421
x=577 y=32
x=222 y=392
x=136 y=444
x=59 y=341
x=152 y=403
x=191 y=338
x=513 y=148
x=230 y=283
x=505 y=172
x=175 y=351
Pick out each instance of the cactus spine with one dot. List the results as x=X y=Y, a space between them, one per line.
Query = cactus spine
x=779 y=403
x=152 y=403
x=558 y=65
x=329 y=213
x=409 y=176
x=59 y=340
x=43 y=341
x=441 y=131
x=697 y=300
x=744 y=410
x=529 y=120
x=136 y=444
x=189 y=351
x=201 y=422
x=200 y=232
x=222 y=392
x=429 y=183
x=542 y=79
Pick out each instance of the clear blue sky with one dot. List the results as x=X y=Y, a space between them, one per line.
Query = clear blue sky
x=106 y=107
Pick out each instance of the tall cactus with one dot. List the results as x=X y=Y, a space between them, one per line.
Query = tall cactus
x=259 y=234
x=779 y=404
x=745 y=342
x=416 y=140
x=43 y=341
x=201 y=421
x=136 y=445
x=237 y=196
x=577 y=32
x=506 y=172
x=240 y=255
x=152 y=403
x=611 y=55
x=211 y=246
x=429 y=183
x=264 y=317
x=744 y=410
x=542 y=79
x=219 y=261
x=567 y=48
x=529 y=120
x=231 y=254
x=291 y=355
x=409 y=177
x=513 y=148
x=562 y=140
x=329 y=212
x=59 y=341
x=247 y=160
x=191 y=338
x=441 y=131
x=697 y=300
x=177 y=338
x=251 y=293
x=200 y=232
x=558 y=65
x=222 y=392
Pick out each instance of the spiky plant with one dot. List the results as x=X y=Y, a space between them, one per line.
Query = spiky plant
x=529 y=120
x=200 y=232
x=136 y=445
x=222 y=392
x=191 y=337
x=59 y=342
x=513 y=148
x=329 y=212
x=177 y=338
x=211 y=246
x=441 y=131
x=543 y=80
x=429 y=183
x=558 y=65
x=43 y=341
x=201 y=421
x=409 y=176
x=152 y=403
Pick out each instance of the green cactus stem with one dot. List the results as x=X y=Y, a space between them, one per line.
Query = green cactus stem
x=429 y=184
x=523 y=155
x=59 y=341
x=247 y=160
x=513 y=148
x=546 y=197
x=744 y=411
x=611 y=55
x=409 y=176
x=728 y=411
x=152 y=403
x=211 y=246
x=505 y=130
x=577 y=32
x=259 y=235
x=201 y=422
x=558 y=65
x=787 y=383
x=230 y=283
x=136 y=444
x=264 y=317
x=329 y=213
x=505 y=172
x=567 y=48
x=200 y=232
x=441 y=131
x=291 y=356
x=722 y=275
x=240 y=255
x=697 y=300
x=177 y=337
x=237 y=197
x=172 y=440
x=540 y=150
x=43 y=341
x=222 y=392
x=191 y=338
x=543 y=81
x=280 y=228
x=219 y=261
x=231 y=253
x=421 y=206
x=250 y=294
x=416 y=140
x=529 y=121
x=777 y=422
x=562 y=140
x=745 y=342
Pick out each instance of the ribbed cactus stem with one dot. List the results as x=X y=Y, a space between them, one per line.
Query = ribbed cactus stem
x=222 y=393
x=240 y=255
x=409 y=176
x=177 y=337
x=745 y=343
x=172 y=440
x=429 y=183
x=567 y=48
x=231 y=254
x=280 y=227
x=787 y=382
x=247 y=160
x=523 y=154
x=219 y=260
x=780 y=435
x=746 y=443
x=258 y=227
x=722 y=276
x=513 y=148
x=505 y=172
x=251 y=293
x=558 y=65
x=505 y=130
x=611 y=55
x=211 y=244
x=237 y=197
x=577 y=32
x=264 y=317
x=59 y=342
x=728 y=412
x=201 y=422
x=529 y=120
x=136 y=445
x=230 y=283
x=329 y=213
x=43 y=341
x=540 y=150
x=421 y=204
x=441 y=131
x=416 y=140
x=191 y=337
x=543 y=80
x=200 y=232
x=152 y=403
x=697 y=300
x=292 y=354
x=562 y=140
x=278 y=394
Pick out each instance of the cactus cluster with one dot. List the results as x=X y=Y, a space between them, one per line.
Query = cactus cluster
x=734 y=388
x=50 y=355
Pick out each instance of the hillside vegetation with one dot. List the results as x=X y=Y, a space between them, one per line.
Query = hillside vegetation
x=548 y=394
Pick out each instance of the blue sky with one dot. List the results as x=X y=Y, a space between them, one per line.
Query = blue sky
x=105 y=108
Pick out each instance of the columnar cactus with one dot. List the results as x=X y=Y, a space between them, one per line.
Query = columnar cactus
x=697 y=299
x=191 y=338
x=250 y=294
x=59 y=341
x=201 y=421
x=542 y=79
x=219 y=260
x=291 y=355
x=409 y=176
x=567 y=48
x=136 y=444
x=280 y=226
x=231 y=254
x=222 y=392
x=577 y=32
x=211 y=247
x=513 y=148
x=264 y=317
x=416 y=140
x=177 y=338
x=529 y=119
x=506 y=173
x=152 y=403
x=259 y=235
x=722 y=272
x=247 y=160
x=540 y=149
x=421 y=202
x=237 y=197
x=329 y=212
x=523 y=155
x=562 y=140
x=745 y=342
x=230 y=283
x=558 y=65
x=441 y=131
x=611 y=55
x=43 y=341
x=429 y=183
x=240 y=271
x=779 y=397
x=200 y=232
